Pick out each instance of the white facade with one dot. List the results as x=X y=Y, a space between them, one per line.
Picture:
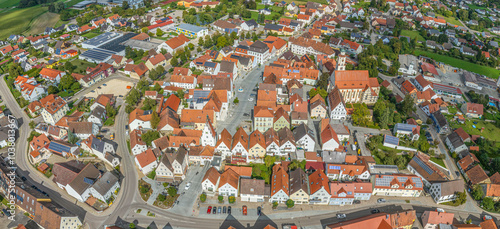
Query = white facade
x=207 y=138
x=147 y=168
x=280 y=197
x=209 y=187
x=435 y=191
x=306 y=142
x=228 y=190
x=139 y=124
x=330 y=145
x=338 y=113
x=320 y=197
x=52 y=119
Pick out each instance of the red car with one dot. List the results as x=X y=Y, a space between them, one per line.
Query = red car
x=209 y=209
x=244 y=210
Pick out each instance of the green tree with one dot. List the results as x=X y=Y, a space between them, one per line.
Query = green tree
x=477 y=192
x=131 y=225
x=162 y=197
x=275 y=204
x=323 y=81
x=236 y=100
x=68 y=67
x=203 y=197
x=231 y=199
x=155 y=119
x=150 y=136
x=269 y=161
x=148 y=104
x=290 y=203
x=174 y=62
x=360 y=115
x=159 y=32
x=221 y=42
x=461 y=198
x=488 y=203
x=144 y=30
x=66 y=82
x=172 y=191
x=408 y=105
x=52 y=90
x=220 y=198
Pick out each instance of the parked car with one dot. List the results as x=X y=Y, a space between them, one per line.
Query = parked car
x=229 y=210
x=244 y=210
x=188 y=185
x=381 y=200
x=341 y=216
x=487 y=217
x=224 y=210
x=357 y=202
x=209 y=210
x=259 y=211
x=458 y=174
x=374 y=211
x=219 y=210
x=214 y=210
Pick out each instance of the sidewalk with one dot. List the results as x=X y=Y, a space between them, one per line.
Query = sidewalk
x=157 y=189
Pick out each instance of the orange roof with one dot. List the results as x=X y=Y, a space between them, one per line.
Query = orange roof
x=354 y=79
x=178 y=41
x=158 y=58
x=212 y=175
x=182 y=79
x=488 y=224
x=196 y=116
x=328 y=133
x=279 y=180
x=140 y=115
x=145 y=158
x=50 y=73
x=318 y=180
x=140 y=69
x=261 y=111
x=230 y=177
x=492 y=190
x=257 y=138
x=225 y=137
x=240 y=137
x=240 y=170
x=180 y=71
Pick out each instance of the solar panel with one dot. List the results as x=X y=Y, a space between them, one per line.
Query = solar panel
x=54 y=146
x=335 y=167
x=417 y=181
x=423 y=165
x=88 y=180
x=392 y=140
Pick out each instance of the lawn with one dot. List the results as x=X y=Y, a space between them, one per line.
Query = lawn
x=90 y=35
x=361 y=4
x=8 y=3
x=412 y=34
x=45 y=20
x=255 y=15
x=81 y=65
x=272 y=8
x=490 y=130
x=18 y=21
x=304 y=2
x=71 y=3
x=451 y=20
x=477 y=7
x=466 y=65
x=438 y=161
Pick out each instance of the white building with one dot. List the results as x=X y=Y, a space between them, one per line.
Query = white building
x=442 y=192
x=229 y=183
x=401 y=185
x=252 y=190
x=210 y=181
x=320 y=189
x=336 y=105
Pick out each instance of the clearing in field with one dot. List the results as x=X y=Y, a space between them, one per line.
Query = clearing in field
x=463 y=64
x=17 y=21
x=45 y=20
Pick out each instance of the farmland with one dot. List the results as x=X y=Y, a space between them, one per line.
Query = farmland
x=45 y=20
x=8 y=3
x=22 y=18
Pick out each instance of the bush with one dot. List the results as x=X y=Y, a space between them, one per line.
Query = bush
x=275 y=205
x=172 y=191
x=203 y=197
x=232 y=199
x=144 y=189
x=290 y=203
x=162 y=197
x=221 y=199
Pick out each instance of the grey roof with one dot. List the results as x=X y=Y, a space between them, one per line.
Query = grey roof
x=210 y=64
x=226 y=66
x=302 y=130
x=102 y=39
x=65 y=172
x=251 y=23
x=339 y=128
x=170 y=156
x=80 y=127
x=252 y=187
x=269 y=26
x=404 y=127
x=106 y=182
x=144 y=45
x=440 y=118
x=333 y=157
x=189 y=27
x=98 y=112
x=298 y=181
x=407 y=60
x=455 y=139
x=451 y=187
x=85 y=179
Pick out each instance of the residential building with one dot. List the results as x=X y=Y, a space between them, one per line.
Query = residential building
x=102 y=148
x=173 y=165
x=304 y=138
x=378 y=220
x=356 y=86
x=433 y=219
x=253 y=190
x=191 y=31
x=279 y=185
x=440 y=122
x=336 y=105
x=146 y=161
x=210 y=181
x=346 y=193
x=329 y=139
x=319 y=188
x=397 y=185
x=473 y=110
x=405 y=129
x=54 y=108
x=299 y=186
x=229 y=183
x=455 y=143
x=446 y=191
x=52 y=75
x=428 y=171
x=303 y=46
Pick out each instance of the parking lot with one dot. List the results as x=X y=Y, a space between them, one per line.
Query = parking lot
x=117 y=87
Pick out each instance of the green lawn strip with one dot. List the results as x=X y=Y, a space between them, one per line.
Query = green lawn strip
x=490 y=130
x=466 y=65
x=438 y=161
x=451 y=20
x=81 y=65
x=90 y=35
x=412 y=34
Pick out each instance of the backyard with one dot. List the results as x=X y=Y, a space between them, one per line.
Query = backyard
x=466 y=65
x=90 y=35
x=490 y=130
x=81 y=65
x=412 y=34
x=451 y=20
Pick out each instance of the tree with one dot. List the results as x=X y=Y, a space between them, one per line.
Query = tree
x=32 y=125
x=52 y=90
x=220 y=198
x=159 y=32
x=231 y=199
x=191 y=46
x=477 y=192
x=408 y=105
x=148 y=104
x=488 y=203
x=203 y=197
x=360 y=115
x=275 y=204
x=236 y=100
x=314 y=91
x=461 y=198
x=68 y=67
x=269 y=161
x=172 y=191
x=199 y=49
x=66 y=82
x=221 y=42
x=290 y=203
x=110 y=111
x=131 y=225
x=174 y=62
x=144 y=30
x=150 y=136
x=155 y=119
x=125 y=5
x=162 y=197
x=323 y=81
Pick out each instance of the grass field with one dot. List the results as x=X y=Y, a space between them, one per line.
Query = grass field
x=361 y=4
x=412 y=34
x=477 y=7
x=81 y=65
x=18 y=21
x=479 y=69
x=272 y=8
x=304 y=2
x=490 y=130
x=38 y=25
x=255 y=15
x=8 y=3
x=438 y=161
x=451 y=20
x=72 y=2
x=90 y=35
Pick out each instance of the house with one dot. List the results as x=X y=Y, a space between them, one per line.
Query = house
x=319 y=188
x=356 y=86
x=253 y=190
x=329 y=139
x=428 y=171
x=272 y=142
x=249 y=25
x=191 y=31
x=405 y=129
x=302 y=46
x=476 y=175
x=97 y=116
x=433 y=219
x=83 y=130
x=156 y=61
x=102 y=101
x=54 y=108
x=281 y=119
x=223 y=145
x=79 y=187
x=38 y=147
x=445 y=191
x=346 y=193
x=146 y=161
x=318 y=107
x=491 y=191
x=240 y=143
x=229 y=183
x=174 y=44
x=140 y=119
x=52 y=75
x=397 y=185
x=256 y=146
x=336 y=105
x=103 y=149
x=210 y=181
x=186 y=82
x=455 y=143
x=304 y=137
x=30 y=89
x=348 y=171
x=468 y=51
x=137 y=145
x=173 y=166
x=286 y=142
x=279 y=185
x=299 y=186
x=408 y=64
x=440 y=121
x=196 y=119
x=225 y=26
x=473 y=110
